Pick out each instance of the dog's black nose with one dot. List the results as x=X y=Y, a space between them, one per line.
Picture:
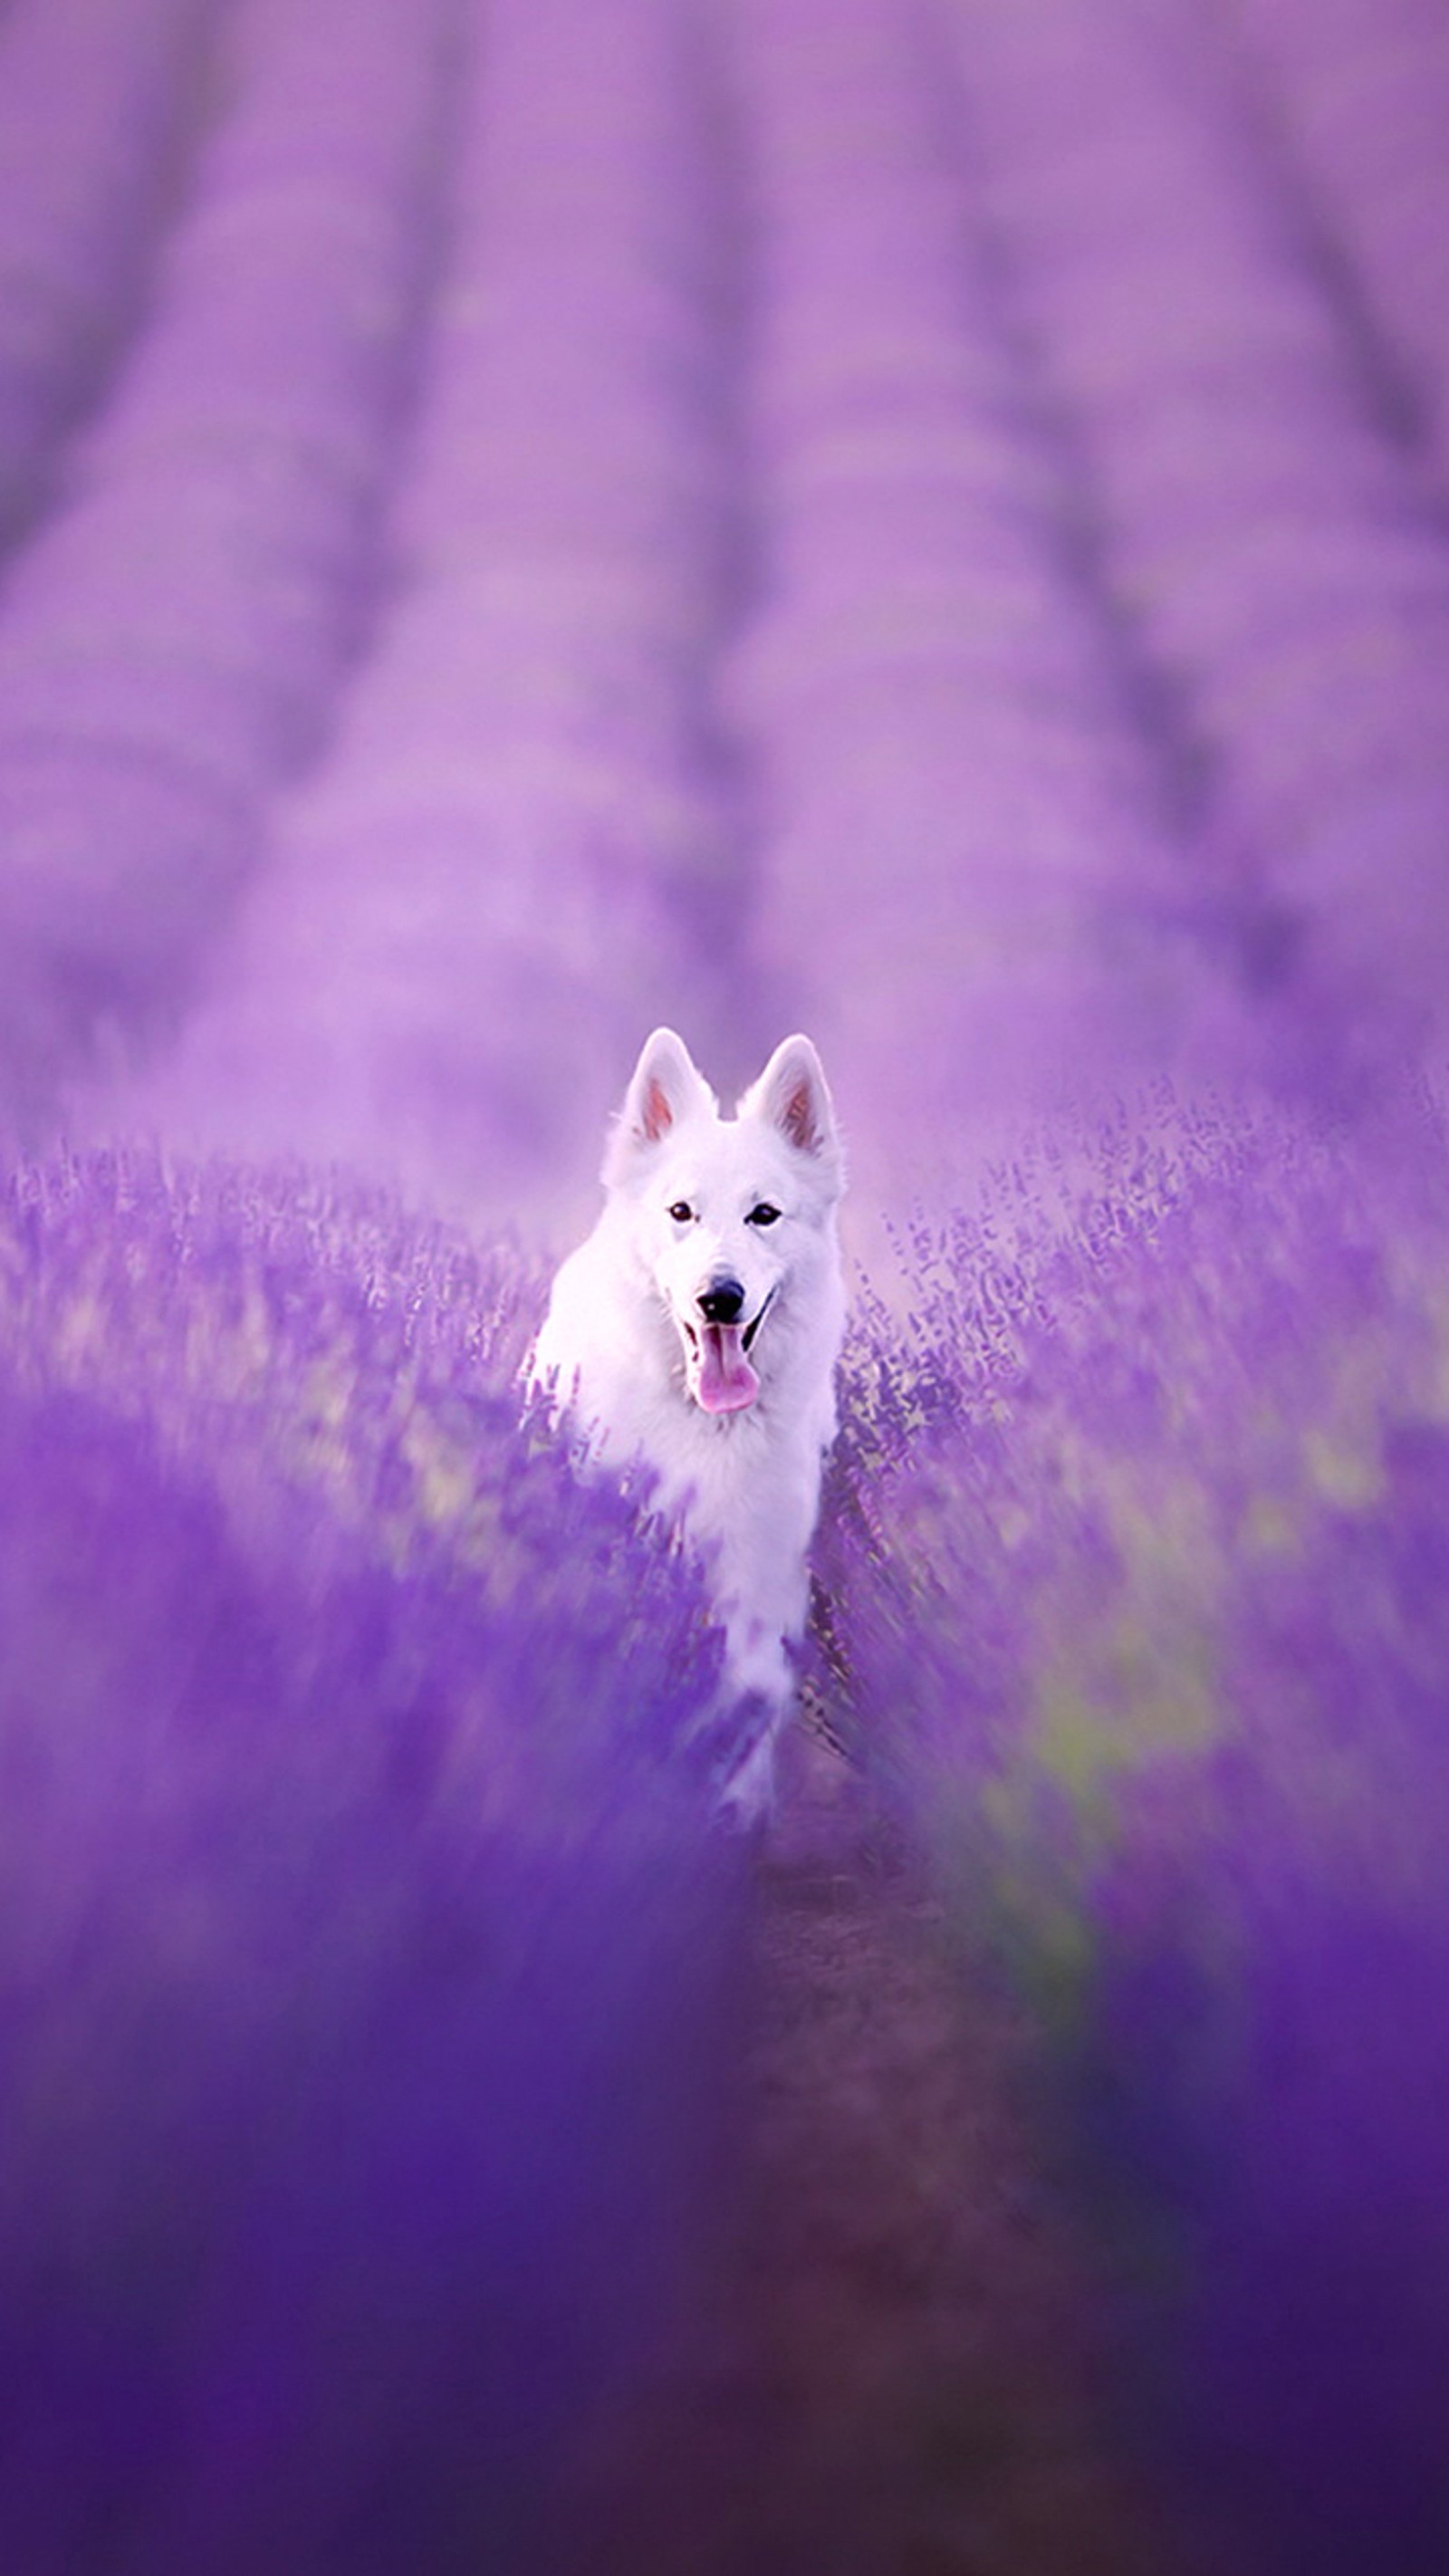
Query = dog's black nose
x=722 y=1304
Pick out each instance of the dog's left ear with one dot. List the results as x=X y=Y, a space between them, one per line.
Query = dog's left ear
x=792 y=1095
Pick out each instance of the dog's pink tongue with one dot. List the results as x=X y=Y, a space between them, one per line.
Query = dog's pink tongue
x=726 y=1380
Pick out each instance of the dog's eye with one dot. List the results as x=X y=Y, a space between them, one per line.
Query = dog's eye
x=762 y=1213
x=681 y=1212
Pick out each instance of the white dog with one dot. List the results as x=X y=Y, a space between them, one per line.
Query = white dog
x=697 y=1331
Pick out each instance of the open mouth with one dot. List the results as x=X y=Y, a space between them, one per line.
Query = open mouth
x=717 y=1363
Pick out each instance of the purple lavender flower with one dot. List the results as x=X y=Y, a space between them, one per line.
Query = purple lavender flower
x=368 y=1943
x=1138 y=1558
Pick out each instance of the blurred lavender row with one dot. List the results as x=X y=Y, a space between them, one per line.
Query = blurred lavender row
x=914 y=517
x=959 y=828
x=1257 y=519
x=171 y=638
x=358 y=1886
x=97 y=102
x=1137 y=1555
x=1356 y=94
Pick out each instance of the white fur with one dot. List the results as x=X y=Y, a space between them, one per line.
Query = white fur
x=619 y=1352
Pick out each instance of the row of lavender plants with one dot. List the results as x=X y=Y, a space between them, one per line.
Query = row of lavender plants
x=369 y=1950
x=173 y=634
x=1138 y=1553
x=965 y=831
x=1264 y=528
x=97 y=109
x=1357 y=99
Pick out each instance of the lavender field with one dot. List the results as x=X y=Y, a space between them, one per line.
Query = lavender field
x=920 y=520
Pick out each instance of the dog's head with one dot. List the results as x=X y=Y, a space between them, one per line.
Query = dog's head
x=732 y=1217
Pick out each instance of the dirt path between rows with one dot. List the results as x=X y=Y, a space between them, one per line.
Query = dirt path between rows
x=889 y=2371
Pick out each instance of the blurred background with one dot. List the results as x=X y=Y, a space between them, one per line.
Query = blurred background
x=918 y=519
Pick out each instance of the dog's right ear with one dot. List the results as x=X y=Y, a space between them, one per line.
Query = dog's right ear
x=663 y=1090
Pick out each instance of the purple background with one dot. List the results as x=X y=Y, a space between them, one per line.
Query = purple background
x=920 y=521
